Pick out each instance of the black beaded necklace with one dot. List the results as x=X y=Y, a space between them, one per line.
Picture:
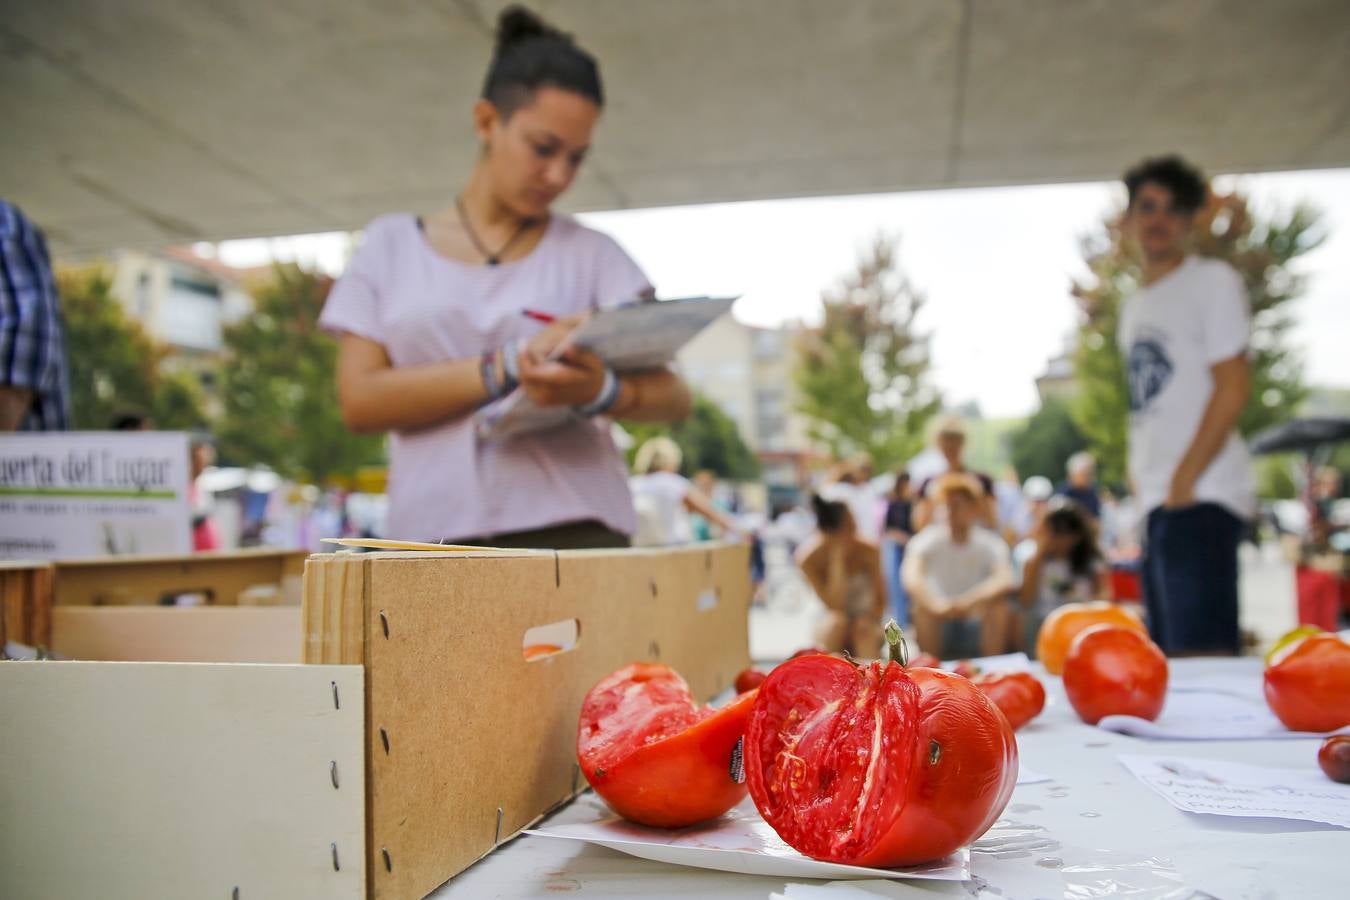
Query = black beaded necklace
x=493 y=259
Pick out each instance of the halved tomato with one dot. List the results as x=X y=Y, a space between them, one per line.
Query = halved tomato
x=876 y=765
x=654 y=755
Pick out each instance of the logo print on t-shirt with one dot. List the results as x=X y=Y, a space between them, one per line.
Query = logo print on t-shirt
x=1150 y=371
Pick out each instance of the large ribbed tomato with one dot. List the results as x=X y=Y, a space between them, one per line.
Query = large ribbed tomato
x=653 y=754
x=1064 y=622
x=876 y=765
x=1308 y=683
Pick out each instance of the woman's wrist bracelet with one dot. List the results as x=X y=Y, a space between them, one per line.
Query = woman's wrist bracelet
x=487 y=368
x=605 y=400
x=500 y=377
x=510 y=367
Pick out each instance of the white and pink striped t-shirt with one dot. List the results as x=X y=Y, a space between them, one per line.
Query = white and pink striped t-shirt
x=425 y=308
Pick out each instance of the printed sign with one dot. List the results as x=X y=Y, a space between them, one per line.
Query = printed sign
x=69 y=495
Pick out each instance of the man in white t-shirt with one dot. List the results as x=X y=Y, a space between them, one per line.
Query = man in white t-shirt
x=958 y=576
x=1184 y=337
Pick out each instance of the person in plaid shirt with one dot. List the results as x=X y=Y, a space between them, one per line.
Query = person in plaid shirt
x=34 y=381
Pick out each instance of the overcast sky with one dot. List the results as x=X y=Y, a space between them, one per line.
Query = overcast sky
x=994 y=263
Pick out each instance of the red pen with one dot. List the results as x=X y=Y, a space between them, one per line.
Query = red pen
x=539 y=316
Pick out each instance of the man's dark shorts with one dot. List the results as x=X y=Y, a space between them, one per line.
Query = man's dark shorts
x=1190 y=576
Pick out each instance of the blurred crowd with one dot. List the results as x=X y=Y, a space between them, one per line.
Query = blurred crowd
x=970 y=562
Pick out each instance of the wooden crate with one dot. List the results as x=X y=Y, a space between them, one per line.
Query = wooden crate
x=34 y=594
x=25 y=603
x=228 y=578
x=414 y=723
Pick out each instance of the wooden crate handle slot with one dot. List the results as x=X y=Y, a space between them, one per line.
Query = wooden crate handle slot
x=543 y=641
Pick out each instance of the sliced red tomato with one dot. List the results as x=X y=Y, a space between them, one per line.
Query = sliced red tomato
x=654 y=755
x=1018 y=695
x=876 y=765
x=1308 y=683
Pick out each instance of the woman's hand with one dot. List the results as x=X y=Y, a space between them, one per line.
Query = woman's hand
x=540 y=347
x=573 y=379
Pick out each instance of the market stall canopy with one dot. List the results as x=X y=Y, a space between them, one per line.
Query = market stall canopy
x=1302 y=436
x=144 y=123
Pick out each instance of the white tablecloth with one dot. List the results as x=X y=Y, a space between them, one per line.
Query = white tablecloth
x=1091 y=831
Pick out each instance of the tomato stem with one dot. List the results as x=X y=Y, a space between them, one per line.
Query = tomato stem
x=895 y=643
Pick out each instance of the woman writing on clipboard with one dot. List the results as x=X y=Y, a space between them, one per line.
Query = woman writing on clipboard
x=441 y=314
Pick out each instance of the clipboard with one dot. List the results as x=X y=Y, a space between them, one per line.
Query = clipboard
x=629 y=338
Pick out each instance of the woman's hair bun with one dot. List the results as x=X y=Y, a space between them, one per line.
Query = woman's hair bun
x=516 y=23
x=532 y=54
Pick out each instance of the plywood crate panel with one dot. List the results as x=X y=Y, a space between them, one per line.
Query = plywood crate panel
x=170 y=780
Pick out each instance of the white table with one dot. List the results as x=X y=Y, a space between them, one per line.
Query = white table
x=1089 y=832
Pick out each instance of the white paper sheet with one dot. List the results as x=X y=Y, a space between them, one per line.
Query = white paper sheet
x=1225 y=788
x=740 y=841
x=1206 y=715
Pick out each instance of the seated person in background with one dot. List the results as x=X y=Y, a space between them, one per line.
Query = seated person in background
x=845 y=573
x=1061 y=563
x=958 y=577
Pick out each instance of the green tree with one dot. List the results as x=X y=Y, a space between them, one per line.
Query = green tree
x=1044 y=444
x=279 y=387
x=708 y=439
x=863 y=375
x=1261 y=249
x=115 y=367
x=1275 y=476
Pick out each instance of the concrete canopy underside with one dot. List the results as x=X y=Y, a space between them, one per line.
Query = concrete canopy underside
x=143 y=122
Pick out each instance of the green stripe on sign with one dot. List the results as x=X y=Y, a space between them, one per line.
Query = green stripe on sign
x=71 y=492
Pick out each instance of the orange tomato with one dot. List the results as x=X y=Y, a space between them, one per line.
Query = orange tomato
x=1063 y=625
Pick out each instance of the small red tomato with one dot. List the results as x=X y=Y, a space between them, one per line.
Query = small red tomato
x=1308 y=684
x=924 y=661
x=966 y=669
x=1334 y=757
x=1112 y=670
x=1019 y=695
x=748 y=680
x=653 y=755
x=807 y=651
x=876 y=765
